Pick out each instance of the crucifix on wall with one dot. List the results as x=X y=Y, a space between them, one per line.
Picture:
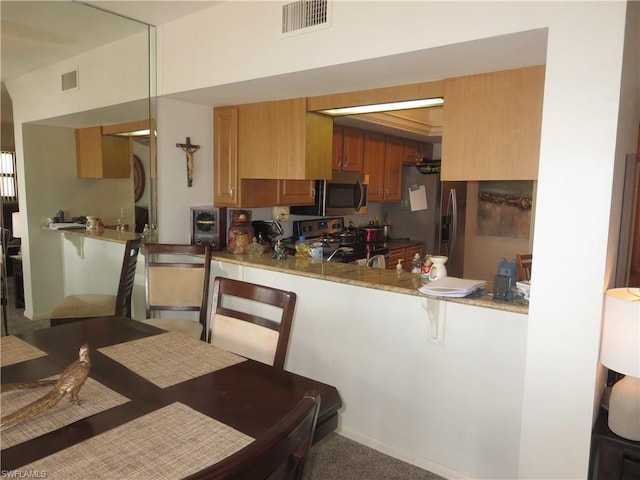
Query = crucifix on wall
x=189 y=149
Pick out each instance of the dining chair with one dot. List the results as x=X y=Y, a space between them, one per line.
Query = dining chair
x=523 y=266
x=278 y=454
x=252 y=320
x=177 y=282
x=73 y=308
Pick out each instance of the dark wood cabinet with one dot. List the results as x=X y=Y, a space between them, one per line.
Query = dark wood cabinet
x=612 y=457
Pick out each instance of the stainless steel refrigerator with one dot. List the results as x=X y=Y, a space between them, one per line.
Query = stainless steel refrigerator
x=440 y=226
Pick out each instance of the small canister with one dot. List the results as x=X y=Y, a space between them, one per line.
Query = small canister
x=315 y=252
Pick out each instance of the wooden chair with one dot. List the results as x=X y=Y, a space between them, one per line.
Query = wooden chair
x=177 y=280
x=278 y=454
x=523 y=267
x=81 y=306
x=239 y=325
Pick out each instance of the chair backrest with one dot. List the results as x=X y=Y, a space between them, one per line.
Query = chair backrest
x=523 y=266
x=239 y=323
x=177 y=279
x=279 y=453
x=127 y=277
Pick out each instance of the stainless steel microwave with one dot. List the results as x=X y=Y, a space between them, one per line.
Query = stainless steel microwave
x=344 y=194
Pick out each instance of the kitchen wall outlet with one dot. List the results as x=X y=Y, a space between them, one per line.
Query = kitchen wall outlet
x=280 y=214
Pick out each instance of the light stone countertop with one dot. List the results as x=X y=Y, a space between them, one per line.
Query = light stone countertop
x=352 y=274
x=106 y=234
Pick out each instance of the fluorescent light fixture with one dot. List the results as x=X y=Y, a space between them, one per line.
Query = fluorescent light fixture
x=384 y=107
x=136 y=133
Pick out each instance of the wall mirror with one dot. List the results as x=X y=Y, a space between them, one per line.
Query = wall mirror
x=113 y=61
x=66 y=33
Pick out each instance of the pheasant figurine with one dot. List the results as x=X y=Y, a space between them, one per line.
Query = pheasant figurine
x=70 y=381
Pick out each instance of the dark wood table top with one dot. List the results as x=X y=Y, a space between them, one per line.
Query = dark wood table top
x=249 y=396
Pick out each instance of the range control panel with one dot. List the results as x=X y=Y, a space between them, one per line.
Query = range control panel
x=318 y=227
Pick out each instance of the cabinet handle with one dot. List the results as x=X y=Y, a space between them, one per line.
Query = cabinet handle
x=313 y=192
x=346 y=162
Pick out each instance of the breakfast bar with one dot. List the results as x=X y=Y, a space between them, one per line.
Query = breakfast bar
x=352 y=274
x=412 y=386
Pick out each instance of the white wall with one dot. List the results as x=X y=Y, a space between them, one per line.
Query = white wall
x=176 y=121
x=574 y=208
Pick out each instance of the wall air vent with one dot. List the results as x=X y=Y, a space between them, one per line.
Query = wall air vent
x=305 y=16
x=70 y=80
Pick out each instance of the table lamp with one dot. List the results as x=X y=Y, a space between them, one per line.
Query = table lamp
x=620 y=352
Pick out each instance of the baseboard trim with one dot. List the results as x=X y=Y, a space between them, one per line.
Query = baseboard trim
x=421 y=462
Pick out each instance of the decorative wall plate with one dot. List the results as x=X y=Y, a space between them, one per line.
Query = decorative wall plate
x=139 y=180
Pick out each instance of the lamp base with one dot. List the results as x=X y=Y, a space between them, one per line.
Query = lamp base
x=624 y=408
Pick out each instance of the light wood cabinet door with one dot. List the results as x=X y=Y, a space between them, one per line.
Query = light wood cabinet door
x=393 y=170
x=374 y=153
x=102 y=156
x=352 y=150
x=281 y=140
x=225 y=156
x=410 y=152
x=492 y=123
x=348 y=149
x=336 y=156
x=296 y=192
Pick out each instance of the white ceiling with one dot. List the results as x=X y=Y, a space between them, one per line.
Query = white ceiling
x=38 y=33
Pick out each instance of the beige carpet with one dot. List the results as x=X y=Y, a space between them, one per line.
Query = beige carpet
x=339 y=458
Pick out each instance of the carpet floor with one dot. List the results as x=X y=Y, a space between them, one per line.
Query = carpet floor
x=339 y=458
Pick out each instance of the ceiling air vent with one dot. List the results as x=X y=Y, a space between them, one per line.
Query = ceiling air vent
x=70 y=80
x=304 y=16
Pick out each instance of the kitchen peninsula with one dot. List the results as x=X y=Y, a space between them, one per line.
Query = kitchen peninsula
x=352 y=274
x=421 y=378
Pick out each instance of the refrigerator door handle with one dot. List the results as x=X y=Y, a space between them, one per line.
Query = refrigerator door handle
x=452 y=214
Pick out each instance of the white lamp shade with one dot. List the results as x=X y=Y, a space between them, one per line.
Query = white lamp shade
x=620 y=350
x=16 y=225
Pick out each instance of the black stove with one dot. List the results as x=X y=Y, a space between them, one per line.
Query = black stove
x=327 y=231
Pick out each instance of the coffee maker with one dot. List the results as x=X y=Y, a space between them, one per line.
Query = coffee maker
x=267 y=231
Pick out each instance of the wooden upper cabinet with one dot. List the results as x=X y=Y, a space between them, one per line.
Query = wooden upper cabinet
x=348 y=149
x=492 y=125
x=296 y=192
x=102 y=156
x=225 y=156
x=374 y=151
x=393 y=169
x=281 y=140
x=383 y=163
x=414 y=151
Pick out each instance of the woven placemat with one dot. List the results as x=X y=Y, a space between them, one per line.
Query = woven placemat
x=13 y=350
x=170 y=358
x=169 y=443
x=94 y=396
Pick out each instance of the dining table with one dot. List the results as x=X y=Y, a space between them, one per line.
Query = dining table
x=156 y=404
